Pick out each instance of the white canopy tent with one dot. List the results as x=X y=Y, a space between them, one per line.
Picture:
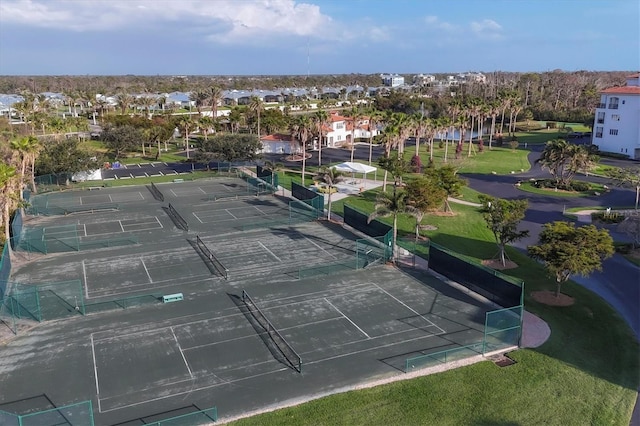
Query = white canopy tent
x=353 y=168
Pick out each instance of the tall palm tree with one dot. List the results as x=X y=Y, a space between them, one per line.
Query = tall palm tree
x=375 y=117
x=356 y=116
x=321 y=118
x=7 y=183
x=27 y=149
x=390 y=204
x=185 y=124
x=256 y=106
x=124 y=101
x=329 y=176
x=199 y=97
x=215 y=96
x=494 y=110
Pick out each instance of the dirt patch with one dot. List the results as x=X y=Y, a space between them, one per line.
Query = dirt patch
x=497 y=264
x=549 y=298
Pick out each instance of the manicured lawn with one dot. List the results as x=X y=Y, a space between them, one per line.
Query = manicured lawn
x=575 y=378
x=198 y=174
x=499 y=160
x=594 y=187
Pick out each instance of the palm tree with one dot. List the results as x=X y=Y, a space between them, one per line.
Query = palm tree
x=321 y=118
x=494 y=110
x=27 y=148
x=124 y=101
x=215 y=96
x=7 y=184
x=199 y=97
x=185 y=124
x=329 y=176
x=375 y=117
x=390 y=205
x=355 y=115
x=205 y=124
x=256 y=106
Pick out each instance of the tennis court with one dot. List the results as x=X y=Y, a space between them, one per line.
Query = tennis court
x=295 y=336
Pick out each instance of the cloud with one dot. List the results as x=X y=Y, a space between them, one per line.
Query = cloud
x=222 y=20
x=433 y=22
x=487 y=28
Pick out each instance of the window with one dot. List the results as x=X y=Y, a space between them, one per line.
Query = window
x=599 y=132
x=340 y=125
x=613 y=132
x=613 y=103
x=600 y=117
x=615 y=117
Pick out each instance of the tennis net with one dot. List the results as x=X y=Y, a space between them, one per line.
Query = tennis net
x=283 y=346
x=156 y=192
x=177 y=218
x=222 y=270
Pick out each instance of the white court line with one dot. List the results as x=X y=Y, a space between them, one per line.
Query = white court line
x=121 y=227
x=181 y=353
x=315 y=244
x=270 y=252
x=86 y=285
x=146 y=270
x=411 y=309
x=159 y=223
x=85 y=229
x=225 y=382
x=347 y=318
x=203 y=191
x=110 y=199
x=256 y=207
x=174 y=194
x=141 y=196
x=95 y=371
x=227 y=210
x=196 y=216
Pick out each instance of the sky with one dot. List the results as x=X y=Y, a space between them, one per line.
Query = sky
x=299 y=37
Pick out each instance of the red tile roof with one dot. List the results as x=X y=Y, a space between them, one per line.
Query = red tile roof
x=634 y=75
x=278 y=137
x=625 y=90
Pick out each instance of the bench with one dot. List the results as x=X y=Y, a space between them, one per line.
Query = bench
x=178 y=180
x=176 y=297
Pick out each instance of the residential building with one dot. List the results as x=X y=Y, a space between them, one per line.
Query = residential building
x=280 y=143
x=424 y=79
x=392 y=80
x=616 y=127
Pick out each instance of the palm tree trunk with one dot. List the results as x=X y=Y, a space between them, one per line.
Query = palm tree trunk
x=394 y=254
x=329 y=206
x=370 y=147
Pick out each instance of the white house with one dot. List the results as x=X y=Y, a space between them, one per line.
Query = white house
x=280 y=143
x=392 y=80
x=617 y=119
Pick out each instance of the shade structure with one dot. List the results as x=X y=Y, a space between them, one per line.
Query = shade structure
x=349 y=167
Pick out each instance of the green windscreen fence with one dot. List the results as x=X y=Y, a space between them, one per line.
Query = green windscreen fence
x=359 y=220
x=80 y=414
x=5 y=270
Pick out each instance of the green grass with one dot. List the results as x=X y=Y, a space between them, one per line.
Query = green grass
x=594 y=187
x=575 y=378
x=502 y=161
x=198 y=174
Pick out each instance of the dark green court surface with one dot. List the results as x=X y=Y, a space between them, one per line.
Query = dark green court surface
x=111 y=340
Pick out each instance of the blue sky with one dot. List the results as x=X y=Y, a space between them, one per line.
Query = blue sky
x=256 y=37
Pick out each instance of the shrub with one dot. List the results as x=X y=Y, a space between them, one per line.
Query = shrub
x=580 y=186
x=552 y=124
x=607 y=217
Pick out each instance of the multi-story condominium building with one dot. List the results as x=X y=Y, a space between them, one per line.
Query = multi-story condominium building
x=617 y=121
x=392 y=80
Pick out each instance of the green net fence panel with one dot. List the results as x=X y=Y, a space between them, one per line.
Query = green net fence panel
x=503 y=328
x=51 y=300
x=89 y=243
x=5 y=270
x=95 y=306
x=52 y=182
x=370 y=251
x=443 y=356
x=222 y=270
x=16 y=229
x=326 y=269
x=80 y=414
x=53 y=239
x=287 y=351
x=301 y=211
x=23 y=304
x=202 y=417
x=266 y=223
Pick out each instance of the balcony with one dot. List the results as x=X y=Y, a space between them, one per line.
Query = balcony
x=600 y=121
x=613 y=106
x=599 y=135
x=601 y=106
